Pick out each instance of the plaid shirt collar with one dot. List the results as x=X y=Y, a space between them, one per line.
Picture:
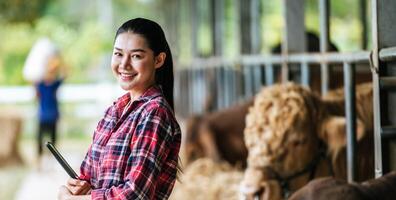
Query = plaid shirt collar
x=122 y=102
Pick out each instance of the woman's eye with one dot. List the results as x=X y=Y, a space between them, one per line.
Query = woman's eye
x=117 y=54
x=135 y=56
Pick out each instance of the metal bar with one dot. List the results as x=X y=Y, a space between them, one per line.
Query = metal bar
x=255 y=33
x=202 y=90
x=182 y=94
x=324 y=25
x=190 y=91
x=257 y=78
x=324 y=43
x=194 y=95
x=294 y=39
x=305 y=72
x=247 y=81
x=330 y=58
x=237 y=83
x=234 y=87
x=277 y=59
x=210 y=103
x=223 y=85
x=218 y=87
x=324 y=74
x=245 y=26
x=388 y=132
x=269 y=74
x=294 y=30
x=284 y=72
x=363 y=22
x=388 y=83
x=349 y=90
x=376 y=92
x=217 y=8
x=228 y=86
x=195 y=16
x=387 y=54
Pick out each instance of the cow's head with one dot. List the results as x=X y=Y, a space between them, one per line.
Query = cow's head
x=283 y=131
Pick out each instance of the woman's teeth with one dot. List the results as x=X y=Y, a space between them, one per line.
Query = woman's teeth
x=127 y=75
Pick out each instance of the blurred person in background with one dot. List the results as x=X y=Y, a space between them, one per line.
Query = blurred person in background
x=48 y=108
x=135 y=147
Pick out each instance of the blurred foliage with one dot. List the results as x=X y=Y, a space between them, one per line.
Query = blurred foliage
x=80 y=47
x=81 y=38
x=22 y=10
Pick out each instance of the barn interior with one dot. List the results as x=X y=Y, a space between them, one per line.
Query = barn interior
x=269 y=94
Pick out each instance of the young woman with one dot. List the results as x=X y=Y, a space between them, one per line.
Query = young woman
x=134 y=153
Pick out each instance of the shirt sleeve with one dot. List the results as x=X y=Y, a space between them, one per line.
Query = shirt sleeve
x=86 y=167
x=150 y=146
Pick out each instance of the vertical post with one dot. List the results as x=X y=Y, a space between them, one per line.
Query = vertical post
x=246 y=81
x=250 y=26
x=233 y=84
x=305 y=79
x=194 y=27
x=294 y=39
x=269 y=74
x=202 y=91
x=385 y=29
x=376 y=95
x=217 y=8
x=176 y=91
x=190 y=90
x=250 y=38
x=227 y=86
x=237 y=28
x=257 y=73
x=245 y=26
x=363 y=22
x=349 y=90
x=255 y=16
x=324 y=42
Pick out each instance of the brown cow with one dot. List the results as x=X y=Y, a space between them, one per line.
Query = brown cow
x=294 y=136
x=335 y=189
x=218 y=135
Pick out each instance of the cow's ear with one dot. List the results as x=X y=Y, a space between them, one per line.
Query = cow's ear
x=333 y=132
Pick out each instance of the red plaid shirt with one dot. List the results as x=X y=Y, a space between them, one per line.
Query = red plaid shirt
x=134 y=154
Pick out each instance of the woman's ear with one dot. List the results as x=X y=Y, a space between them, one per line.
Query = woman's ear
x=159 y=60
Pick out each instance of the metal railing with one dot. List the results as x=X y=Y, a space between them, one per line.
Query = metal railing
x=193 y=86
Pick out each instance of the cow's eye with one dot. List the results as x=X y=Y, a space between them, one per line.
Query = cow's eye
x=296 y=143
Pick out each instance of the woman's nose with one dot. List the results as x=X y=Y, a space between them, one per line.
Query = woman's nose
x=125 y=62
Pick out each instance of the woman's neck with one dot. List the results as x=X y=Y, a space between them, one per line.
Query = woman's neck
x=135 y=94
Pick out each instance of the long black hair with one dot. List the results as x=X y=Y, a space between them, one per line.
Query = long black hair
x=155 y=38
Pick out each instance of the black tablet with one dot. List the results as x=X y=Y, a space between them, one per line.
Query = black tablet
x=61 y=160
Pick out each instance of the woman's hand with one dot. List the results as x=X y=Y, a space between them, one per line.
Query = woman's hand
x=64 y=193
x=78 y=187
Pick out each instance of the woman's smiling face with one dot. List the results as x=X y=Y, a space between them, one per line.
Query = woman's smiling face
x=133 y=63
